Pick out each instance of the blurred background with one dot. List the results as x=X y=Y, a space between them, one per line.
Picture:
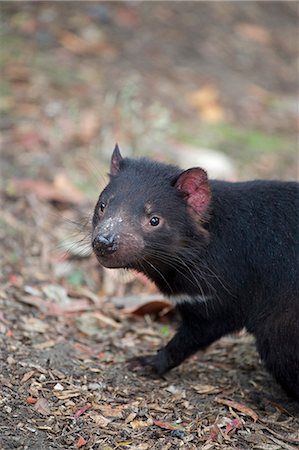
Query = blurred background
x=161 y=78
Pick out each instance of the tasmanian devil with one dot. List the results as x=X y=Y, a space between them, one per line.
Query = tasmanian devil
x=226 y=253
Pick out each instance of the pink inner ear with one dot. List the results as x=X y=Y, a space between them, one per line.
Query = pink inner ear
x=194 y=183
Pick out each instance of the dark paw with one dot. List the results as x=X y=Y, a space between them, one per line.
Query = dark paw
x=157 y=363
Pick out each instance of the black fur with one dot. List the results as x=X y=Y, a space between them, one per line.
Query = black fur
x=237 y=257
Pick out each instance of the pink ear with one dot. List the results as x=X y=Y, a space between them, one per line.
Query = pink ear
x=115 y=161
x=194 y=184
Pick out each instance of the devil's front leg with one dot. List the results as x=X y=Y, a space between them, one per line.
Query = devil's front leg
x=197 y=331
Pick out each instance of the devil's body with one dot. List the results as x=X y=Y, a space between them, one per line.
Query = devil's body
x=226 y=253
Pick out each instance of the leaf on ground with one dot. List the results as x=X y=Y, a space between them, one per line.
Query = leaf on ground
x=53 y=309
x=32 y=301
x=168 y=425
x=233 y=425
x=239 y=407
x=138 y=424
x=46 y=344
x=42 y=406
x=30 y=139
x=105 y=321
x=92 y=323
x=125 y=16
x=66 y=394
x=81 y=441
x=130 y=417
x=206 y=389
x=89 y=125
x=27 y=376
x=62 y=183
x=33 y=324
x=82 y=410
x=254 y=32
x=161 y=307
x=112 y=411
x=17 y=72
x=31 y=400
x=206 y=102
x=52 y=192
x=214 y=432
x=83 y=348
x=100 y=420
x=76 y=306
x=57 y=293
x=89 y=44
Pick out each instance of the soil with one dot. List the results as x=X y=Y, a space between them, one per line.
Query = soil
x=76 y=77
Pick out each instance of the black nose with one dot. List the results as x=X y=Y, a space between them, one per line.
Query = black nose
x=105 y=243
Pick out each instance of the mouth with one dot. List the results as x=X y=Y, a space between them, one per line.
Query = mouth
x=123 y=252
x=112 y=261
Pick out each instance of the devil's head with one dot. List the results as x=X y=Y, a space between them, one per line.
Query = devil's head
x=148 y=212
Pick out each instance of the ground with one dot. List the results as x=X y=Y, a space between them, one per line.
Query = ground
x=163 y=79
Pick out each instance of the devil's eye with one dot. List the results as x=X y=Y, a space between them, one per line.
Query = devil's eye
x=102 y=206
x=154 y=221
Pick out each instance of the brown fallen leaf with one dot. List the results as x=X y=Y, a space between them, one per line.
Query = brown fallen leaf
x=130 y=417
x=64 y=185
x=206 y=389
x=16 y=72
x=31 y=400
x=42 y=406
x=46 y=344
x=233 y=426
x=82 y=45
x=168 y=425
x=76 y=306
x=72 y=42
x=138 y=424
x=88 y=127
x=112 y=411
x=81 y=441
x=100 y=420
x=45 y=190
x=214 y=432
x=35 y=325
x=27 y=376
x=162 y=307
x=82 y=410
x=206 y=102
x=254 y=32
x=239 y=407
x=32 y=301
x=50 y=308
x=92 y=323
x=105 y=321
x=66 y=394
x=30 y=140
x=126 y=16
x=212 y=113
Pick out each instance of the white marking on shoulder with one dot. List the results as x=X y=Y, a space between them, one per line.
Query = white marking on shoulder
x=185 y=298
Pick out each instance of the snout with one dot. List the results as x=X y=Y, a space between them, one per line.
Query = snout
x=105 y=244
x=116 y=243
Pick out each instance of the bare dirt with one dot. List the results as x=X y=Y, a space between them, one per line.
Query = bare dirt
x=76 y=77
